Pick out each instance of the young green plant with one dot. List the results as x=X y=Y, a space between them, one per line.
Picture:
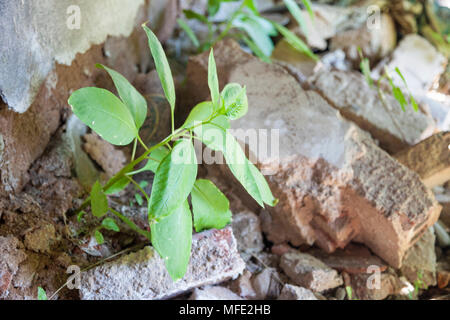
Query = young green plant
x=396 y=91
x=173 y=160
x=251 y=28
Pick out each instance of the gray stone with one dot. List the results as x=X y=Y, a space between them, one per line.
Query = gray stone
x=247 y=230
x=419 y=263
x=36 y=34
x=290 y=292
x=309 y=272
x=394 y=128
x=419 y=62
x=334 y=184
x=12 y=255
x=430 y=159
x=243 y=286
x=375 y=43
x=142 y=275
x=214 y=293
x=267 y=284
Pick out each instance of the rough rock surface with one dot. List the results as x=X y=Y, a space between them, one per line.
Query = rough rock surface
x=105 y=154
x=354 y=259
x=243 y=286
x=142 y=275
x=394 y=128
x=214 y=293
x=420 y=260
x=267 y=284
x=309 y=272
x=365 y=288
x=11 y=256
x=334 y=184
x=290 y=292
x=430 y=159
x=247 y=230
x=375 y=42
x=38 y=34
x=418 y=60
x=25 y=136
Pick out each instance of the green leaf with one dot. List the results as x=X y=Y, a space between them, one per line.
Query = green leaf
x=365 y=69
x=215 y=136
x=104 y=113
x=110 y=224
x=99 y=202
x=134 y=101
x=246 y=173
x=213 y=81
x=99 y=237
x=296 y=12
x=41 y=295
x=162 y=67
x=172 y=238
x=411 y=98
x=199 y=113
x=156 y=156
x=190 y=33
x=308 y=7
x=235 y=101
x=80 y=215
x=256 y=32
x=121 y=184
x=173 y=181
x=139 y=199
x=295 y=41
x=189 y=14
x=213 y=7
x=251 y=5
x=210 y=206
x=255 y=49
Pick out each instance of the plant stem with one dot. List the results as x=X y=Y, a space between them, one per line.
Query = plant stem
x=134 y=150
x=139 y=187
x=131 y=224
x=229 y=25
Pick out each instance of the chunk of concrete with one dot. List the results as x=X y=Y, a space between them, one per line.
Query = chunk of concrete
x=214 y=293
x=110 y=159
x=394 y=128
x=430 y=159
x=142 y=275
x=12 y=255
x=38 y=34
x=375 y=42
x=306 y=271
x=419 y=62
x=267 y=284
x=290 y=292
x=243 y=286
x=366 y=287
x=419 y=263
x=354 y=259
x=334 y=184
x=247 y=230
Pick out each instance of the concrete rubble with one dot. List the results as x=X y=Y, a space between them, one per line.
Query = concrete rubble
x=12 y=255
x=333 y=182
x=267 y=284
x=419 y=263
x=247 y=230
x=290 y=292
x=394 y=128
x=142 y=275
x=308 y=272
x=375 y=42
x=419 y=62
x=214 y=293
x=430 y=159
